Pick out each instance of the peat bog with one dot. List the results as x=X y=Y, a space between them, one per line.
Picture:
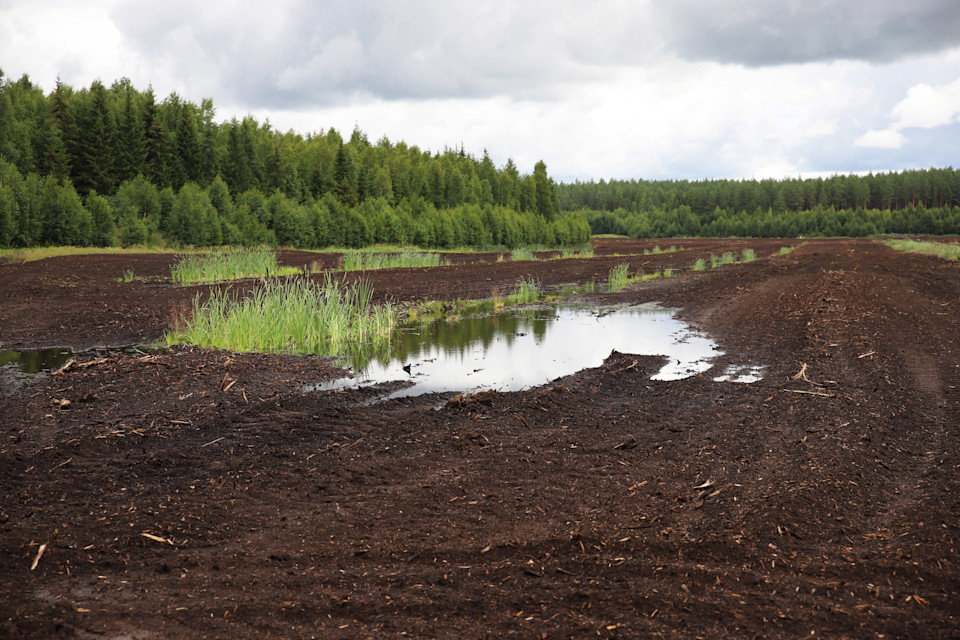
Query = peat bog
x=190 y=493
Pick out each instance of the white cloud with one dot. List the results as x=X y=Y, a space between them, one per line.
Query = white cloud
x=926 y=107
x=882 y=139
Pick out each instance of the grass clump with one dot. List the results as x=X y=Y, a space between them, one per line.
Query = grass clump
x=939 y=249
x=619 y=277
x=220 y=265
x=41 y=253
x=366 y=260
x=527 y=291
x=727 y=258
x=292 y=315
x=749 y=255
x=785 y=250
x=570 y=253
x=700 y=265
x=522 y=253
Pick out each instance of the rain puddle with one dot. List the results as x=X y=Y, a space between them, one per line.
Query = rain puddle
x=520 y=349
x=25 y=365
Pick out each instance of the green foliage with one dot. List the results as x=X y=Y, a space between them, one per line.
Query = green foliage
x=749 y=255
x=939 y=249
x=369 y=260
x=700 y=265
x=619 y=277
x=225 y=264
x=527 y=291
x=293 y=315
x=167 y=169
x=522 y=253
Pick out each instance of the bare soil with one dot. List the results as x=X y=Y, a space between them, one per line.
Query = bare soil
x=198 y=494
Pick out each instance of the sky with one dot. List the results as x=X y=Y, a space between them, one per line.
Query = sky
x=613 y=89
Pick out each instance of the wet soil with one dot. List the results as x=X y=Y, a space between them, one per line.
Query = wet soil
x=197 y=494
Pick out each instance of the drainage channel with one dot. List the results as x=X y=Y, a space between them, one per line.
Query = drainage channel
x=521 y=349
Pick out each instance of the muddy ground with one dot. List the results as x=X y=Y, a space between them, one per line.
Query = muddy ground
x=189 y=494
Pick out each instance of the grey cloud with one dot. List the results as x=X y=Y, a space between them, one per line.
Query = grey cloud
x=774 y=32
x=307 y=53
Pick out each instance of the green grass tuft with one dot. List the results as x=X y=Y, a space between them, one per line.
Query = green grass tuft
x=939 y=249
x=749 y=255
x=619 y=277
x=407 y=258
x=292 y=315
x=225 y=264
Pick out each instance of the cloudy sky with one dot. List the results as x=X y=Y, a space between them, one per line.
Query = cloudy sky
x=601 y=89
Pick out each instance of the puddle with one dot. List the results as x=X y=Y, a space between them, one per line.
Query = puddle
x=25 y=365
x=743 y=373
x=520 y=349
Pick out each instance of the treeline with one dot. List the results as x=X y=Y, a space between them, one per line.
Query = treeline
x=110 y=165
x=926 y=201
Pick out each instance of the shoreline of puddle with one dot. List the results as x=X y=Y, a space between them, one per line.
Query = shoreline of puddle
x=506 y=351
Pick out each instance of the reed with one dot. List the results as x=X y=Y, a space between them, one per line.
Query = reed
x=619 y=277
x=292 y=315
x=222 y=265
x=367 y=260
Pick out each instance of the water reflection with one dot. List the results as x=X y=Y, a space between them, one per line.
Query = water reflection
x=27 y=364
x=515 y=350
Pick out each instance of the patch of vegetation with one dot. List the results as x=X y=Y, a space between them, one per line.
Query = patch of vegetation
x=619 y=277
x=527 y=291
x=727 y=258
x=700 y=265
x=41 y=253
x=939 y=249
x=657 y=250
x=292 y=315
x=369 y=260
x=785 y=250
x=221 y=265
x=749 y=255
x=569 y=253
x=522 y=253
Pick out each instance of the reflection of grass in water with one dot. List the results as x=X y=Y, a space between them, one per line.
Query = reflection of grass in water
x=292 y=316
x=226 y=264
x=365 y=260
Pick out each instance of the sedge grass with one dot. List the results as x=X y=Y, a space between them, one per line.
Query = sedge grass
x=700 y=265
x=527 y=291
x=368 y=260
x=221 y=265
x=749 y=255
x=522 y=253
x=939 y=249
x=41 y=253
x=291 y=315
x=619 y=277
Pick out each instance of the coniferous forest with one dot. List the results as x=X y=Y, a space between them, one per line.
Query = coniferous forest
x=118 y=165
x=919 y=202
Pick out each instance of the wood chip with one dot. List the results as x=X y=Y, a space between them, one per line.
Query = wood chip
x=150 y=536
x=36 y=560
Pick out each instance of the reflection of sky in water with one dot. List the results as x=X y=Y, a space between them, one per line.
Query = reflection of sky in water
x=516 y=350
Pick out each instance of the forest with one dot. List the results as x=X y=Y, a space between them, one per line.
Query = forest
x=915 y=202
x=114 y=165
